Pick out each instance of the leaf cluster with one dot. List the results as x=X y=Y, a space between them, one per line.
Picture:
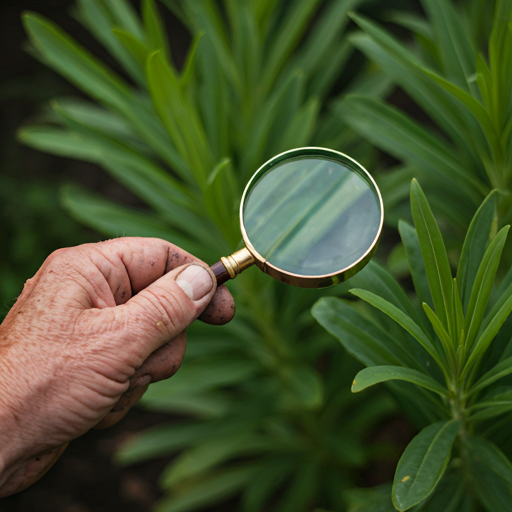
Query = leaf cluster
x=458 y=76
x=453 y=350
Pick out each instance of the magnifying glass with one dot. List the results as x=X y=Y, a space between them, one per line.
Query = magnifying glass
x=310 y=217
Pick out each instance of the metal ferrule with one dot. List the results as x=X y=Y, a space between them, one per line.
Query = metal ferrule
x=238 y=262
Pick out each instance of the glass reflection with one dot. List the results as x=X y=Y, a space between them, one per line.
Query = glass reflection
x=312 y=216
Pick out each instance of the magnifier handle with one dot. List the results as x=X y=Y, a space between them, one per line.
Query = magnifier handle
x=220 y=272
x=228 y=268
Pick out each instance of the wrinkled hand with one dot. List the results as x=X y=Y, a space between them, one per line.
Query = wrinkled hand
x=94 y=327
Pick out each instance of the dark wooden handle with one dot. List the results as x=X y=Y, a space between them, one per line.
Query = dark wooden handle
x=220 y=272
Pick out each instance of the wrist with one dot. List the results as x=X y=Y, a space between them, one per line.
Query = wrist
x=23 y=458
x=20 y=463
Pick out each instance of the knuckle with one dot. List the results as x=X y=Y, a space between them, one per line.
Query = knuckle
x=167 y=310
x=56 y=257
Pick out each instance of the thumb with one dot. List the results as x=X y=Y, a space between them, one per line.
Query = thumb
x=168 y=306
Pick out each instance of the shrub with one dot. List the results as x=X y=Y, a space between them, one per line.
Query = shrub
x=459 y=76
x=449 y=357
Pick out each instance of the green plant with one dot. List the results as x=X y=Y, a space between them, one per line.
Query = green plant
x=33 y=226
x=452 y=356
x=458 y=75
x=265 y=395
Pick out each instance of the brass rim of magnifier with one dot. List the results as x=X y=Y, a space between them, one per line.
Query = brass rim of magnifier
x=248 y=256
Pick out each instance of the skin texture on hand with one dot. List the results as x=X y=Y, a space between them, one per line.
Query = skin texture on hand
x=91 y=330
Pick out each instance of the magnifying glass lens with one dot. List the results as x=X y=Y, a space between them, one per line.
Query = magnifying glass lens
x=312 y=215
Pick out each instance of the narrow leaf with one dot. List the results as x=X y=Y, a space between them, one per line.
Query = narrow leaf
x=473 y=105
x=402 y=319
x=404 y=138
x=373 y=375
x=411 y=243
x=160 y=440
x=489 y=333
x=434 y=255
x=498 y=372
x=482 y=287
x=452 y=40
x=443 y=336
x=480 y=232
x=490 y=474
x=423 y=463
x=365 y=340
x=137 y=48
x=155 y=31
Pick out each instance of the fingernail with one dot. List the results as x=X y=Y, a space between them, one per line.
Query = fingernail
x=195 y=281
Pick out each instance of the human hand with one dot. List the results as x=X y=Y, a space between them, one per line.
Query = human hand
x=91 y=330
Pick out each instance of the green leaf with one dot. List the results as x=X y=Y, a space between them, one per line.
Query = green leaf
x=434 y=255
x=452 y=41
x=405 y=139
x=188 y=68
x=323 y=80
x=477 y=110
x=203 y=404
x=490 y=474
x=492 y=406
x=413 y=22
x=378 y=280
x=365 y=340
x=480 y=233
x=260 y=132
x=286 y=38
x=209 y=490
x=485 y=339
x=74 y=62
x=416 y=264
x=444 y=337
x=114 y=220
x=402 y=319
x=77 y=65
x=412 y=247
x=501 y=370
x=401 y=65
x=160 y=440
x=396 y=263
x=132 y=169
x=423 y=463
x=204 y=17
x=98 y=119
x=155 y=31
x=206 y=373
x=482 y=287
x=370 y=376
x=136 y=47
x=179 y=117
x=126 y=17
x=458 y=312
x=96 y=16
x=300 y=127
x=212 y=452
